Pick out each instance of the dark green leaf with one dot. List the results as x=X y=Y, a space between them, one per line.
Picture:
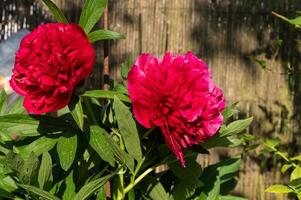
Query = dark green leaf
x=185 y=189
x=90 y=188
x=45 y=171
x=102 y=94
x=37 y=191
x=76 y=109
x=66 y=149
x=127 y=128
x=91 y=13
x=99 y=143
x=104 y=35
x=56 y=12
x=155 y=189
x=213 y=194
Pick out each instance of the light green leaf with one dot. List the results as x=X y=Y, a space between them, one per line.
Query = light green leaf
x=99 y=143
x=230 y=197
x=91 y=13
x=279 y=189
x=8 y=184
x=296 y=173
x=90 y=188
x=45 y=171
x=29 y=169
x=66 y=149
x=3 y=102
x=127 y=128
x=17 y=107
x=38 y=147
x=77 y=113
x=236 y=127
x=285 y=167
x=104 y=35
x=70 y=187
x=39 y=192
x=56 y=12
x=229 y=112
x=125 y=68
x=102 y=94
x=296 y=21
x=157 y=191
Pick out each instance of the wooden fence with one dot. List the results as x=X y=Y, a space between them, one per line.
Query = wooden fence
x=225 y=33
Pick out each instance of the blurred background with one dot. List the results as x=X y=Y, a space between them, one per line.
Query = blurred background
x=254 y=57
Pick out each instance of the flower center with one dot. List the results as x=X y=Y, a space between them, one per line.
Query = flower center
x=166 y=105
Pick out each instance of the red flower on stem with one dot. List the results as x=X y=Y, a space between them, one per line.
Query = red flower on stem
x=50 y=62
x=178 y=95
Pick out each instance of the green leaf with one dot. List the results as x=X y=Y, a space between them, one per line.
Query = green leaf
x=236 y=127
x=45 y=171
x=56 y=12
x=17 y=107
x=66 y=149
x=127 y=128
x=285 y=167
x=90 y=188
x=125 y=68
x=213 y=194
x=29 y=170
x=185 y=189
x=77 y=113
x=279 y=189
x=296 y=173
x=296 y=21
x=121 y=156
x=155 y=189
x=222 y=141
x=99 y=143
x=38 y=147
x=3 y=100
x=102 y=94
x=39 y=192
x=91 y=13
x=70 y=187
x=8 y=184
x=230 y=197
x=104 y=35
x=229 y=112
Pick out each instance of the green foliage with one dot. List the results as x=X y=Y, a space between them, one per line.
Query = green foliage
x=104 y=35
x=102 y=94
x=56 y=12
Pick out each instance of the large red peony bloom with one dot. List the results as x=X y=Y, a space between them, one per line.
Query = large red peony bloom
x=178 y=95
x=50 y=62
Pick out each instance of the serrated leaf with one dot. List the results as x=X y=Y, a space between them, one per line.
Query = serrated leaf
x=104 y=35
x=37 y=191
x=296 y=173
x=99 y=143
x=90 y=188
x=38 y=147
x=69 y=192
x=102 y=94
x=45 y=171
x=281 y=189
x=127 y=128
x=56 y=12
x=66 y=149
x=91 y=13
x=76 y=109
x=3 y=102
x=236 y=127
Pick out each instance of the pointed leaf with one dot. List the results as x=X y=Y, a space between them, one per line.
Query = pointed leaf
x=45 y=171
x=8 y=184
x=296 y=173
x=3 y=102
x=56 y=12
x=91 y=13
x=99 y=143
x=90 y=188
x=102 y=94
x=127 y=128
x=77 y=113
x=236 y=127
x=39 y=192
x=70 y=187
x=104 y=35
x=66 y=149
x=281 y=189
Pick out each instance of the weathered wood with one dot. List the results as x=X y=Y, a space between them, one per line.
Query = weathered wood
x=223 y=33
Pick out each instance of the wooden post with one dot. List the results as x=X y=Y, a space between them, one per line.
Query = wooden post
x=106 y=67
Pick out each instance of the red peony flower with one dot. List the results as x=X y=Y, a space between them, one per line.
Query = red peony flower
x=50 y=62
x=178 y=95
